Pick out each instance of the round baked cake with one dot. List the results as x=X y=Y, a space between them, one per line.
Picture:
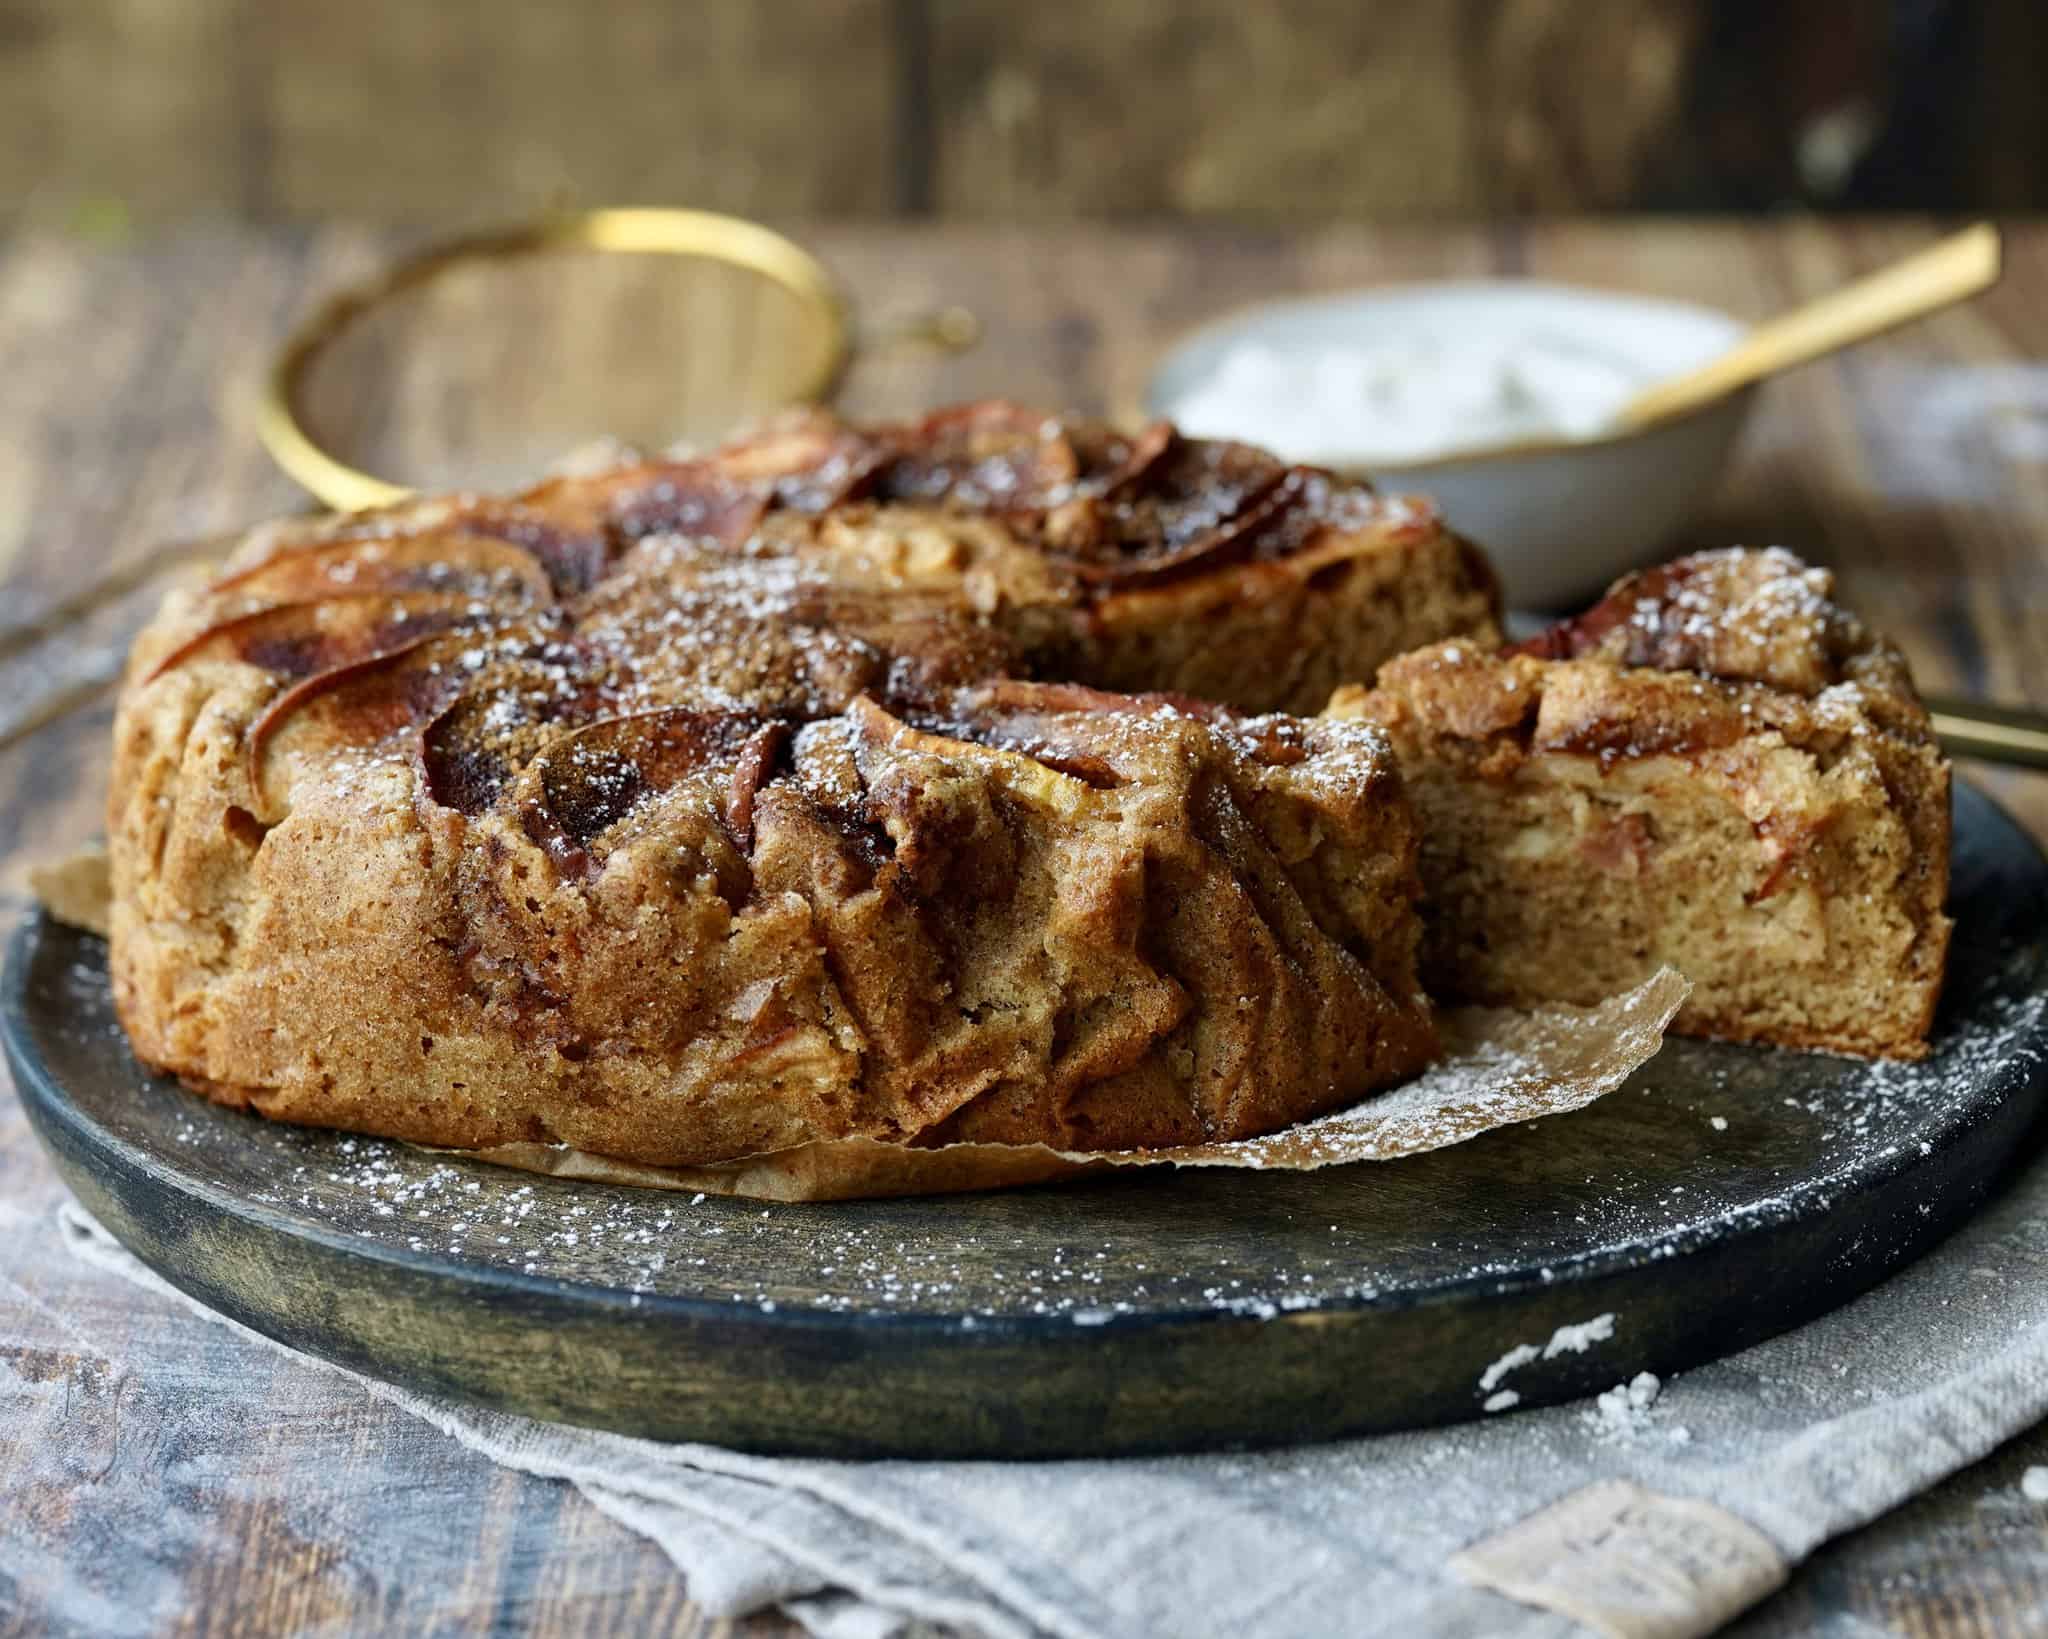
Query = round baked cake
x=699 y=809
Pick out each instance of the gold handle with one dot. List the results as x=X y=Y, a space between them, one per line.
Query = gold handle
x=2014 y=735
x=1958 y=267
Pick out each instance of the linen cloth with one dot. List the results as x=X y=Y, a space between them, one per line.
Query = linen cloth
x=1806 y=1436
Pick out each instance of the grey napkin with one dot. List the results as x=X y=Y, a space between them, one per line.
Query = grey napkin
x=1805 y=1437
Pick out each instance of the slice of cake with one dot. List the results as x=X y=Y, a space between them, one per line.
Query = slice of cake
x=1715 y=768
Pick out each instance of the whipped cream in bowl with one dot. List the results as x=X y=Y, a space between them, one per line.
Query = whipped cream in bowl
x=1418 y=399
x=1496 y=397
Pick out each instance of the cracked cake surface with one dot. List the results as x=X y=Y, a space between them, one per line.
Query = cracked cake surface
x=700 y=808
x=1715 y=768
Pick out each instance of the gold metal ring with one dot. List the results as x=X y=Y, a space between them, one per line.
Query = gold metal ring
x=666 y=232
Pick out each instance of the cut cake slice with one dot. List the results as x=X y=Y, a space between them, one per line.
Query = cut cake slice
x=1716 y=768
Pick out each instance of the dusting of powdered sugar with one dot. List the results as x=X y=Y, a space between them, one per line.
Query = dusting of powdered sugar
x=1574 y=1338
x=1628 y=1411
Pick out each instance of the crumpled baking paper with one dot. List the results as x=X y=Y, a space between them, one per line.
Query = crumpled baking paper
x=1500 y=1066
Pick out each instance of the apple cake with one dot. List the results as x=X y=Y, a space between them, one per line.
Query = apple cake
x=1717 y=769
x=697 y=809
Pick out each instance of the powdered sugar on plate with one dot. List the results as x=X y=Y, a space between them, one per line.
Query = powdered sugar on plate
x=1573 y=1338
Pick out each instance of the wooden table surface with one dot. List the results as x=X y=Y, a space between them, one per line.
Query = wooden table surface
x=143 y=1480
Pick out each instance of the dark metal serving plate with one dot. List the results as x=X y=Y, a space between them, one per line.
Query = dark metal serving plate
x=1139 y=1312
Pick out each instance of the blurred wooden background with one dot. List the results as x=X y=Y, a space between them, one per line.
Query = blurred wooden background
x=119 y=112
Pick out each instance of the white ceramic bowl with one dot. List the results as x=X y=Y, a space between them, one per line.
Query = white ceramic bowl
x=1559 y=521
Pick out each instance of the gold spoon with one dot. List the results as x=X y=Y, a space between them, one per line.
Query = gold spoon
x=1957 y=268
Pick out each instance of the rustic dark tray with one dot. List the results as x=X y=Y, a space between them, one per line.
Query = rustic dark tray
x=1722 y=1195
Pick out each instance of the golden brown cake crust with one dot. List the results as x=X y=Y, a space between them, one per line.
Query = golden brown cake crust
x=1130 y=562
x=1716 y=767
x=693 y=810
